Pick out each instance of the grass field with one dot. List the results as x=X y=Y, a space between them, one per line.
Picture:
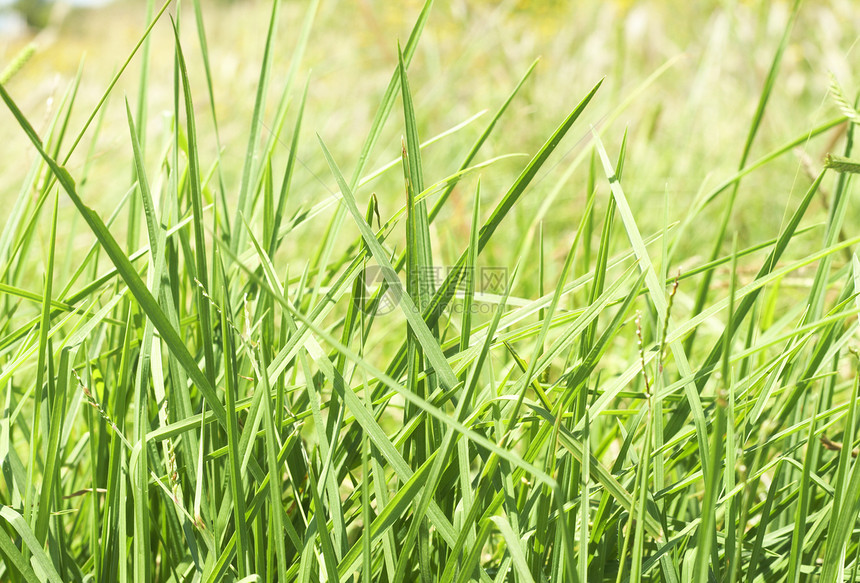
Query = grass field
x=318 y=291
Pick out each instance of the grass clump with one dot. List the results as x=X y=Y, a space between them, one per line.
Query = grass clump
x=236 y=382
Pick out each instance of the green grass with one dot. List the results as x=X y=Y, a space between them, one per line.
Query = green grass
x=228 y=361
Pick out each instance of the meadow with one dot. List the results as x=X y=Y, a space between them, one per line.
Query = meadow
x=434 y=291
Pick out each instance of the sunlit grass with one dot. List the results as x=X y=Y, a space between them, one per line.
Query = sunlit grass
x=258 y=323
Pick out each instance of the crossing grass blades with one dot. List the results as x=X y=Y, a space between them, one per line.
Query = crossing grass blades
x=195 y=404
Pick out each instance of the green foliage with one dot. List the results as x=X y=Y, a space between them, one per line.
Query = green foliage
x=212 y=405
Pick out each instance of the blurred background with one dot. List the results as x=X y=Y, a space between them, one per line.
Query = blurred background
x=707 y=62
x=18 y=15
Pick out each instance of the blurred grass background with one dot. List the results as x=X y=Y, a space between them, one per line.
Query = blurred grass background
x=686 y=130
